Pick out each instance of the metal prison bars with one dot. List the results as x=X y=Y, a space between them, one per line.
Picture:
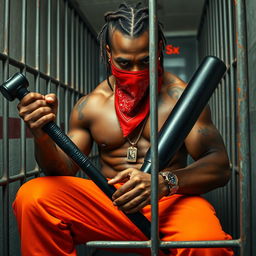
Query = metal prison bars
x=219 y=22
x=52 y=43
x=223 y=24
x=216 y=36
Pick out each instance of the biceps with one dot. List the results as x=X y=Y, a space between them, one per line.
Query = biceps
x=82 y=139
x=204 y=139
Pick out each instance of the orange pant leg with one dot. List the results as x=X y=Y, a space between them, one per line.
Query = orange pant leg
x=54 y=214
x=190 y=218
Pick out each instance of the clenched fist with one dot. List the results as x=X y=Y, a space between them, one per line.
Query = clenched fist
x=36 y=110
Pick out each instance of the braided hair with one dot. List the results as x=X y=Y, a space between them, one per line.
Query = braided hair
x=131 y=20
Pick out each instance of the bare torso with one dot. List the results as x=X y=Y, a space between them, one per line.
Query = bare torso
x=99 y=112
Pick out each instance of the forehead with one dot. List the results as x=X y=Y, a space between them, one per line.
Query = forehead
x=121 y=43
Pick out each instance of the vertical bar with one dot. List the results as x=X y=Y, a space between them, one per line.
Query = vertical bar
x=37 y=41
x=215 y=42
x=227 y=101
x=76 y=86
x=222 y=103
x=210 y=28
x=49 y=19
x=153 y=45
x=23 y=59
x=72 y=61
x=5 y=194
x=212 y=10
x=66 y=109
x=243 y=128
x=93 y=64
x=66 y=44
x=81 y=58
x=58 y=57
x=233 y=116
x=24 y=31
x=218 y=105
x=89 y=63
x=58 y=41
x=49 y=38
x=85 y=60
x=37 y=50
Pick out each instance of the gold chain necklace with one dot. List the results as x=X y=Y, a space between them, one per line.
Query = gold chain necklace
x=132 y=150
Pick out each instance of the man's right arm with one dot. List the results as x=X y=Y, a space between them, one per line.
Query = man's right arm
x=37 y=110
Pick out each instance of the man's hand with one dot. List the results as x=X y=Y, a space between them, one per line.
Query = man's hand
x=135 y=193
x=37 y=110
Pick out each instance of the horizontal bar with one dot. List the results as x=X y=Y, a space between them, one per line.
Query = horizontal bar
x=119 y=244
x=35 y=71
x=4 y=180
x=168 y=244
x=201 y=244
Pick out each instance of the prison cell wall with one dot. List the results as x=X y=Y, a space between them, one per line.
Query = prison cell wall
x=180 y=56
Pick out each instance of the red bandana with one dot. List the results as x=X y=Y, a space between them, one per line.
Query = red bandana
x=132 y=97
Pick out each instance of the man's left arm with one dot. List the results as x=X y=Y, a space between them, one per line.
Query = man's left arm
x=211 y=167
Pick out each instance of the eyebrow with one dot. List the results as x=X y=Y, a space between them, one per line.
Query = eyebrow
x=144 y=58
x=120 y=59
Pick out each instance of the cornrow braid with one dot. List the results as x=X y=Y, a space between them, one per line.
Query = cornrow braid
x=131 y=20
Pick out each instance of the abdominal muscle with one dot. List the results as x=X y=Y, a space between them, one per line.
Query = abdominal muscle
x=114 y=160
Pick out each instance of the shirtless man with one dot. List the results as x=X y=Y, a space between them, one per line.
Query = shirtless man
x=67 y=210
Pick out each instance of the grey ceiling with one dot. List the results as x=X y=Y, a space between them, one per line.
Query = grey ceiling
x=179 y=17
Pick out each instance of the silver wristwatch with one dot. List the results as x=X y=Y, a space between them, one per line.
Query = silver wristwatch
x=171 y=181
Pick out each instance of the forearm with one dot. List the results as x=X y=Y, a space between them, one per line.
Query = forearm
x=204 y=175
x=52 y=159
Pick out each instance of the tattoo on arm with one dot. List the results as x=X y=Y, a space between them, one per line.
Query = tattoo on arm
x=172 y=81
x=80 y=108
x=175 y=92
x=204 y=131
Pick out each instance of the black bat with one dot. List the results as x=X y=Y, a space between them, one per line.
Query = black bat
x=186 y=111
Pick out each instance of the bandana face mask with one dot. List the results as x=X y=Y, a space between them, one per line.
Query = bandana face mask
x=132 y=96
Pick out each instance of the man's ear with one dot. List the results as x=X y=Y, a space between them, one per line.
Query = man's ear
x=108 y=51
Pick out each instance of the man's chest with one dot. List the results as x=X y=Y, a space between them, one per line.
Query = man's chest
x=105 y=127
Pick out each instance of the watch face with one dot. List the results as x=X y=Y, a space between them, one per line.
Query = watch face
x=171 y=179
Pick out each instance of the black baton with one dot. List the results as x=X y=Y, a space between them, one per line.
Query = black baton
x=186 y=111
x=16 y=87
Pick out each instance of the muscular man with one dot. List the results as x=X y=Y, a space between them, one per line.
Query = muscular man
x=56 y=212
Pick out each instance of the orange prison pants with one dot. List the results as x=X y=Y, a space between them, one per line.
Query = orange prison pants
x=54 y=214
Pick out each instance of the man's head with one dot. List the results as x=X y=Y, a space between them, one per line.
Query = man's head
x=125 y=39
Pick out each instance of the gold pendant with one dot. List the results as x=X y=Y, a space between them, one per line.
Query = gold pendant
x=131 y=154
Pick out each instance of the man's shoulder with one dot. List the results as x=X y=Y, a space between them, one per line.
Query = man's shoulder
x=173 y=86
x=96 y=99
x=171 y=80
x=89 y=107
x=100 y=94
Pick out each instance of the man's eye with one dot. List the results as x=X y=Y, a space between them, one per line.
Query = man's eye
x=123 y=63
x=146 y=61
